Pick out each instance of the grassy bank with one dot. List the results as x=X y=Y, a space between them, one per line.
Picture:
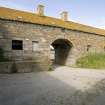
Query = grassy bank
x=95 y=61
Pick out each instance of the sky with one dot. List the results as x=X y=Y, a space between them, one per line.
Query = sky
x=89 y=12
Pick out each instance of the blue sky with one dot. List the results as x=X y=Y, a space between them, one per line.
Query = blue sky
x=89 y=12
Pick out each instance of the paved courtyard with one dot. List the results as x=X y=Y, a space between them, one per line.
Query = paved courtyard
x=64 y=86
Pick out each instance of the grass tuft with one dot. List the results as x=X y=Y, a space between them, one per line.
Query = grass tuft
x=95 y=61
x=50 y=69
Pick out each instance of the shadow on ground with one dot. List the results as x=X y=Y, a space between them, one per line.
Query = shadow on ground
x=44 y=89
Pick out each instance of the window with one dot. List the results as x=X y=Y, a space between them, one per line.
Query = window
x=63 y=29
x=104 y=48
x=51 y=48
x=52 y=52
x=17 y=45
x=35 y=45
x=88 y=47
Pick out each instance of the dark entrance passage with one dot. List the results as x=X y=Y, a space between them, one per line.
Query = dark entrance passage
x=62 y=49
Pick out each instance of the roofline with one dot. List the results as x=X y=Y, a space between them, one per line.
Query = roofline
x=46 y=20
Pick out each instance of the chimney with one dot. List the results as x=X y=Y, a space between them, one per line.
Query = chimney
x=64 y=16
x=40 y=10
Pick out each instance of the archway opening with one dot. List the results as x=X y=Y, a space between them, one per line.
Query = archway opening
x=60 y=50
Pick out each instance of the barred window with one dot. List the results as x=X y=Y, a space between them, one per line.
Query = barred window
x=17 y=45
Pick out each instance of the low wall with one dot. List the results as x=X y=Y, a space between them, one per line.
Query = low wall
x=22 y=67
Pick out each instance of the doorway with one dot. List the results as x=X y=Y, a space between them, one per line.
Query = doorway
x=61 y=49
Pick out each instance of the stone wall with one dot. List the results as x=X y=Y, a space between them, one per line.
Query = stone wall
x=45 y=36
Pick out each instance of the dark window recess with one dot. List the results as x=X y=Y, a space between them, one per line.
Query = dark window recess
x=63 y=29
x=17 y=45
x=88 y=47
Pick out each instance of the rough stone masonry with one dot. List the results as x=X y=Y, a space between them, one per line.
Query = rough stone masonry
x=34 y=42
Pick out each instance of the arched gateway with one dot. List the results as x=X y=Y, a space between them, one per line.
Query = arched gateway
x=61 y=49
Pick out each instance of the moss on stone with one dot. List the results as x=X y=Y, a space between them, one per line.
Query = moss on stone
x=50 y=69
x=2 y=58
x=14 y=68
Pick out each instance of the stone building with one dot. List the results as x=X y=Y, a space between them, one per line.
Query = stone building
x=33 y=41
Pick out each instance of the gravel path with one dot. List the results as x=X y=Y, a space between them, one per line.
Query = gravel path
x=64 y=86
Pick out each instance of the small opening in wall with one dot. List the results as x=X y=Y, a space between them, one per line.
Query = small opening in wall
x=35 y=45
x=63 y=29
x=104 y=48
x=52 y=53
x=19 y=17
x=17 y=45
x=88 y=47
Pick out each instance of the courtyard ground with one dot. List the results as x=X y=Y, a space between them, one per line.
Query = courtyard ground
x=63 y=86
